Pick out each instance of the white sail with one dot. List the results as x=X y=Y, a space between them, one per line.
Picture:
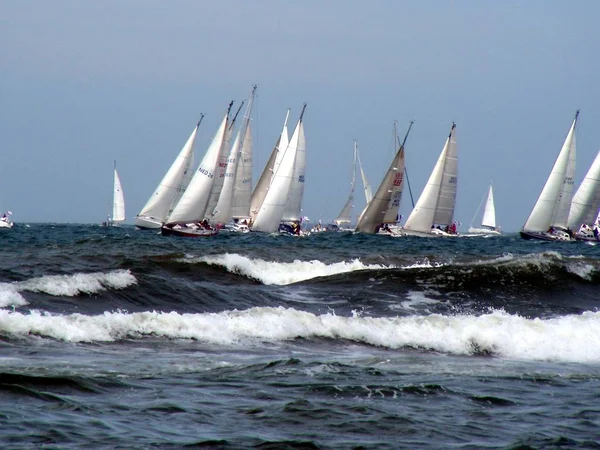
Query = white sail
x=293 y=210
x=389 y=190
x=219 y=181
x=118 y=210
x=345 y=215
x=437 y=201
x=586 y=201
x=270 y=214
x=242 y=188
x=552 y=206
x=223 y=208
x=192 y=205
x=170 y=188
x=366 y=185
x=260 y=191
x=489 y=212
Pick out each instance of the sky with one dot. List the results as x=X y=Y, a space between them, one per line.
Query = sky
x=85 y=83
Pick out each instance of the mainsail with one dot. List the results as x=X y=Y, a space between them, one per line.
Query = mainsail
x=171 y=187
x=552 y=206
x=192 y=205
x=234 y=198
x=489 y=212
x=293 y=210
x=118 y=210
x=437 y=201
x=219 y=180
x=586 y=201
x=275 y=202
x=262 y=187
x=383 y=208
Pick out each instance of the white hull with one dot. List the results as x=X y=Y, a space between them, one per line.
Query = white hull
x=435 y=232
x=4 y=224
x=487 y=231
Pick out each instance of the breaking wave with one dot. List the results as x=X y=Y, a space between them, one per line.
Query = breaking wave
x=570 y=338
x=65 y=285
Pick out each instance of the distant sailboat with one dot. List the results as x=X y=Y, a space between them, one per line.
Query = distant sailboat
x=488 y=221
x=548 y=219
x=345 y=214
x=583 y=215
x=382 y=210
x=275 y=203
x=118 y=207
x=433 y=215
x=185 y=220
x=170 y=189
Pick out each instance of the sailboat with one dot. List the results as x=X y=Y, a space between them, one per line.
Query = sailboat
x=488 y=221
x=345 y=214
x=292 y=214
x=262 y=186
x=382 y=210
x=433 y=213
x=188 y=214
x=548 y=218
x=118 y=207
x=234 y=199
x=583 y=215
x=344 y=217
x=170 y=189
x=275 y=202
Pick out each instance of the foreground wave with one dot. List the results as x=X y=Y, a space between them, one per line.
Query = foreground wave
x=573 y=338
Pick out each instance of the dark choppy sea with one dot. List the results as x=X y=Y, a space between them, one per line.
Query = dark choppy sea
x=118 y=338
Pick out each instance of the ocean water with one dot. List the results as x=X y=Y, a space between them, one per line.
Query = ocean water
x=119 y=338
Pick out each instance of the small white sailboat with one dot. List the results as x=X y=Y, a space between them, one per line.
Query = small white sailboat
x=345 y=215
x=548 y=218
x=433 y=214
x=275 y=202
x=583 y=215
x=187 y=216
x=170 y=189
x=118 y=207
x=382 y=210
x=488 y=221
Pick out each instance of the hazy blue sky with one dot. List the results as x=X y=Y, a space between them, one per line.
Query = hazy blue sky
x=85 y=82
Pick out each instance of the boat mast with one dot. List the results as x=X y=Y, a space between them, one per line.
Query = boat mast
x=405 y=170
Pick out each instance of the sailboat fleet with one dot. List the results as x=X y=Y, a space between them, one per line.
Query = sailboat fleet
x=218 y=194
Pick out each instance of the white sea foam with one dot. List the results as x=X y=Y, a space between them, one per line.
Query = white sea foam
x=281 y=273
x=65 y=285
x=573 y=338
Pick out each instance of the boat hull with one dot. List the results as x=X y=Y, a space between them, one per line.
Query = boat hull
x=434 y=233
x=483 y=231
x=4 y=224
x=188 y=232
x=543 y=236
